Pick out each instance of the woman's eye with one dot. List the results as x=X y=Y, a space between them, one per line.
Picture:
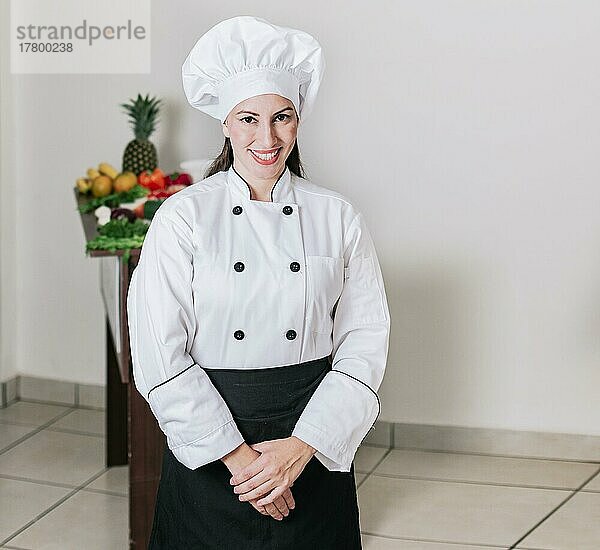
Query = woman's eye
x=248 y=119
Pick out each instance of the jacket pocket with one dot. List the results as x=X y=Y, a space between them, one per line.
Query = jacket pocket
x=363 y=298
x=324 y=282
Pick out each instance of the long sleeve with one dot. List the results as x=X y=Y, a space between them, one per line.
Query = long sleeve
x=190 y=411
x=345 y=405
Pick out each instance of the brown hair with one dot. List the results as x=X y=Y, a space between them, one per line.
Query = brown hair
x=225 y=159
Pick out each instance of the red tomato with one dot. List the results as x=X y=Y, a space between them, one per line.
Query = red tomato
x=152 y=180
x=158 y=194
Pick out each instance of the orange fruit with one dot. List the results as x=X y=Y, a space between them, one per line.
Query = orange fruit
x=124 y=182
x=101 y=186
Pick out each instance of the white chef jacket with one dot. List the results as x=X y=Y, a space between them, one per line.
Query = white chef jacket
x=224 y=281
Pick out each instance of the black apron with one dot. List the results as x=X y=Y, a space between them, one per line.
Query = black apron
x=197 y=509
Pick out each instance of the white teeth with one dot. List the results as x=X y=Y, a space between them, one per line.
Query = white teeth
x=268 y=156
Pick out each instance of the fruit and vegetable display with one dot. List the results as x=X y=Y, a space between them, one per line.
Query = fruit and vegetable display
x=125 y=201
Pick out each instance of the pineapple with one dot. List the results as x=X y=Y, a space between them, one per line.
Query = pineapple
x=140 y=154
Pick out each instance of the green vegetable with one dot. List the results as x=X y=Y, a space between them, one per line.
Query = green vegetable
x=122 y=227
x=114 y=199
x=119 y=234
x=150 y=208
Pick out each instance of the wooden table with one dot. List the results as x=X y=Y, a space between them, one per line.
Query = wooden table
x=132 y=433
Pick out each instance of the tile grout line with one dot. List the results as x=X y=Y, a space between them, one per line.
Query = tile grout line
x=52 y=507
x=475 y=453
x=53 y=429
x=449 y=480
x=552 y=512
x=37 y=428
x=391 y=426
x=391 y=438
x=471 y=482
x=366 y=473
x=437 y=541
x=386 y=453
x=59 y=485
x=45 y=482
x=71 y=408
x=34 y=432
x=76 y=432
x=498 y=484
x=104 y=492
x=58 y=404
x=493 y=484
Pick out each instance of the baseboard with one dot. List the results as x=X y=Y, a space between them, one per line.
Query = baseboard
x=8 y=392
x=491 y=441
x=33 y=388
x=394 y=435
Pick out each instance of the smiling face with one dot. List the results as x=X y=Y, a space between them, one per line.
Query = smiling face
x=263 y=131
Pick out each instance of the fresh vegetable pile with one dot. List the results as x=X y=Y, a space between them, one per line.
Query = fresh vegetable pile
x=125 y=202
x=114 y=199
x=119 y=234
x=123 y=217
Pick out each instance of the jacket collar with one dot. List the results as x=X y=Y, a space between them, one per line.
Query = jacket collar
x=282 y=190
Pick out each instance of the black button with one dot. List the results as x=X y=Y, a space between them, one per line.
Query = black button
x=237 y=210
x=295 y=266
x=290 y=334
x=287 y=210
x=238 y=334
x=238 y=266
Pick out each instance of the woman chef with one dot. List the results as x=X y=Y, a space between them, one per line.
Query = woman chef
x=258 y=318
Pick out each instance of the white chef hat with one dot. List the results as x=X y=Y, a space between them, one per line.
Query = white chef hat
x=247 y=56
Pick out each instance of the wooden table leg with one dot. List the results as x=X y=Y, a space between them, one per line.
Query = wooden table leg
x=146 y=447
x=132 y=437
x=116 y=407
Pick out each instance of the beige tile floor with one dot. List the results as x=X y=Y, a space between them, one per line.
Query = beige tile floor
x=55 y=493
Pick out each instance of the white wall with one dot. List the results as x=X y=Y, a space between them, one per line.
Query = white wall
x=8 y=233
x=468 y=132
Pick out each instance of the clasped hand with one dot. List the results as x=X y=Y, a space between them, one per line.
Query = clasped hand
x=273 y=472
